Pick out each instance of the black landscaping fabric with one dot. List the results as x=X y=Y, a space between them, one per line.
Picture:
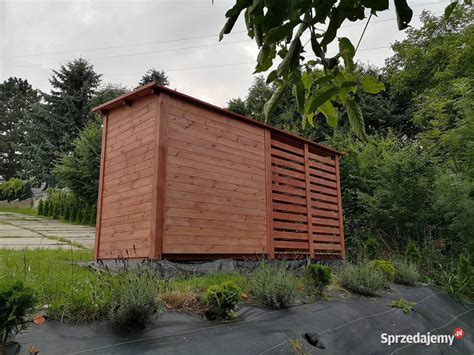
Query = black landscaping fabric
x=343 y=325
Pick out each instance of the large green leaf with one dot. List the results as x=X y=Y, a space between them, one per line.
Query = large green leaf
x=371 y=86
x=293 y=51
x=270 y=105
x=232 y=16
x=334 y=24
x=318 y=99
x=449 y=10
x=279 y=33
x=356 y=119
x=404 y=14
x=330 y=112
x=300 y=91
x=347 y=51
x=376 y=5
x=265 y=58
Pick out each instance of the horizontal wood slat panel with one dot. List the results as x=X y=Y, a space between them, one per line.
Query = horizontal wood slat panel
x=285 y=198
x=288 y=156
x=290 y=216
x=290 y=235
x=287 y=181
x=318 y=246
x=322 y=174
x=289 y=226
x=330 y=169
x=288 y=207
x=287 y=164
x=287 y=147
x=321 y=158
x=286 y=172
x=291 y=166
x=291 y=245
x=289 y=190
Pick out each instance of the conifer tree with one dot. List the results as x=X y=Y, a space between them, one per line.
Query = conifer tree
x=57 y=122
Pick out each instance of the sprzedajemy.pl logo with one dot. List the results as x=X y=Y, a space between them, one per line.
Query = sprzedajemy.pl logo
x=419 y=338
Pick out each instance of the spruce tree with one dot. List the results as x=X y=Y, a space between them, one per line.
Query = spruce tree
x=154 y=75
x=64 y=114
x=46 y=208
x=17 y=99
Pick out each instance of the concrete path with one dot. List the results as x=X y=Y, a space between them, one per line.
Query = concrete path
x=19 y=231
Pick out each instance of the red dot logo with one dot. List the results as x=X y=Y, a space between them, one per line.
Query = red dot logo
x=458 y=333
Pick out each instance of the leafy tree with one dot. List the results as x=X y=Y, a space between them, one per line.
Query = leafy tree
x=79 y=170
x=107 y=93
x=318 y=84
x=67 y=110
x=154 y=75
x=17 y=99
x=238 y=106
x=278 y=28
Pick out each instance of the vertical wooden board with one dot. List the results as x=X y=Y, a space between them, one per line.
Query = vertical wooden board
x=341 y=222
x=308 y=201
x=159 y=179
x=268 y=194
x=101 y=189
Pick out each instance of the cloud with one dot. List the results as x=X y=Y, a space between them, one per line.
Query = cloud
x=58 y=31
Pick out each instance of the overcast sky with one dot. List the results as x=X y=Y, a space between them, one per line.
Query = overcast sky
x=122 y=39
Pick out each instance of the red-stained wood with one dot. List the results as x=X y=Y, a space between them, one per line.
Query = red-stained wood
x=101 y=189
x=269 y=193
x=341 y=223
x=308 y=201
x=159 y=193
x=180 y=179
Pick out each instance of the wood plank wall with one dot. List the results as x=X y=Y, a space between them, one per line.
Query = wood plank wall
x=215 y=183
x=124 y=224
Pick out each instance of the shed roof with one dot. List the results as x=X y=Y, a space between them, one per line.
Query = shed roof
x=154 y=88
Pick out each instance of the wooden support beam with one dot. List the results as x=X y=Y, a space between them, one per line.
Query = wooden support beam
x=268 y=188
x=308 y=201
x=101 y=188
x=339 y=207
x=159 y=180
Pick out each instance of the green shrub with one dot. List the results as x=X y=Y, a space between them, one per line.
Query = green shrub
x=46 y=208
x=15 y=301
x=362 y=279
x=272 y=286
x=385 y=267
x=15 y=189
x=134 y=300
x=50 y=209
x=371 y=248
x=223 y=298
x=412 y=253
x=406 y=273
x=319 y=277
x=458 y=281
x=40 y=208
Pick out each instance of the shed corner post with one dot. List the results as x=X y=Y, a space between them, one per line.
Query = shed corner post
x=159 y=177
x=268 y=190
x=101 y=187
x=309 y=212
x=339 y=208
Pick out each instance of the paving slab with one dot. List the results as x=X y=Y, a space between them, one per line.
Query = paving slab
x=19 y=231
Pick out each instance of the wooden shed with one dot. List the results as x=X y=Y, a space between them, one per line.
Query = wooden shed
x=183 y=179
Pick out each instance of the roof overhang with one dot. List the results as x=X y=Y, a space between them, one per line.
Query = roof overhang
x=154 y=88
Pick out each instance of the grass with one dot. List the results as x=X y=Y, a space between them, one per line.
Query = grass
x=68 y=290
x=22 y=210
